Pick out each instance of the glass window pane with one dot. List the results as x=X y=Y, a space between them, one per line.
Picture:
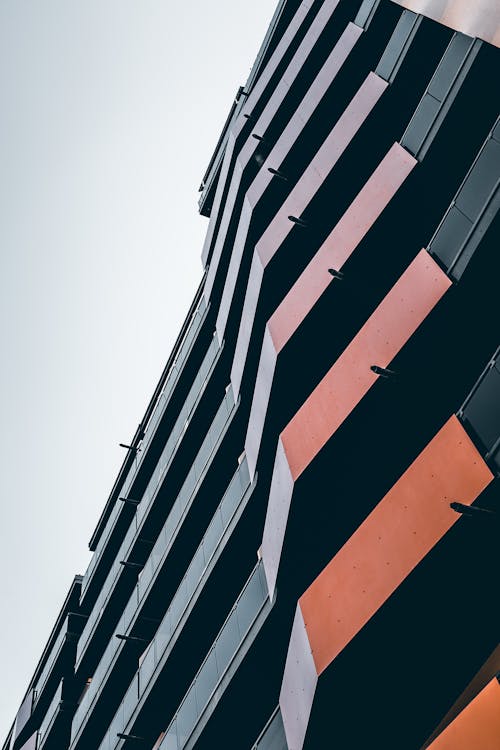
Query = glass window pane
x=147 y=667
x=213 y=533
x=170 y=741
x=186 y=717
x=130 y=700
x=250 y=602
x=206 y=680
x=195 y=571
x=178 y=603
x=227 y=642
x=163 y=634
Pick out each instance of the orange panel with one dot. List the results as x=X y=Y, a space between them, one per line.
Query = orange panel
x=477 y=727
x=406 y=524
x=378 y=191
x=391 y=325
x=490 y=668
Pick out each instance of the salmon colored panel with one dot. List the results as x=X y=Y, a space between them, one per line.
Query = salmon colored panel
x=490 y=668
x=477 y=727
x=406 y=524
x=386 y=331
x=348 y=233
x=330 y=151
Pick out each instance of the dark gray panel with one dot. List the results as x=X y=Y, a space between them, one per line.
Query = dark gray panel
x=475 y=206
x=481 y=181
x=476 y=236
x=366 y=13
x=450 y=236
x=399 y=43
x=483 y=409
x=421 y=121
x=440 y=94
x=450 y=65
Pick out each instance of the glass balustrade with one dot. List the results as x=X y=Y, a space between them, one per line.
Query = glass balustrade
x=51 y=659
x=273 y=735
x=225 y=647
x=189 y=587
x=230 y=502
x=150 y=428
x=50 y=717
x=151 y=490
x=112 y=649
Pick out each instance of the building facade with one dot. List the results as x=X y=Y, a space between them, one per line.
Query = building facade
x=301 y=547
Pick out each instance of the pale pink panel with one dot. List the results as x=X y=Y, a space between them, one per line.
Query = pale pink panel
x=324 y=159
x=342 y=241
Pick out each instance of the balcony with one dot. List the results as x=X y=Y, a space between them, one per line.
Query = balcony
x=223 y=659
x=230 y=646
x=23 y=714
x=67 y=637
x=272 y=736
x=151 y=493
x=150 y=430
x=51 y=716
x=220 y=528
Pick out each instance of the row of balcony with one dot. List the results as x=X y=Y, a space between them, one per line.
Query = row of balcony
x=233 y=636
x=150 y=430
x=151 y=492
x=220 y=527
x=201 y=560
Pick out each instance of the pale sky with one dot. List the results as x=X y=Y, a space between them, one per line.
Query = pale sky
x=109 y=113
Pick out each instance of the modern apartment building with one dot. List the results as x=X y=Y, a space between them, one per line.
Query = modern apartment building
x=301 y=547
